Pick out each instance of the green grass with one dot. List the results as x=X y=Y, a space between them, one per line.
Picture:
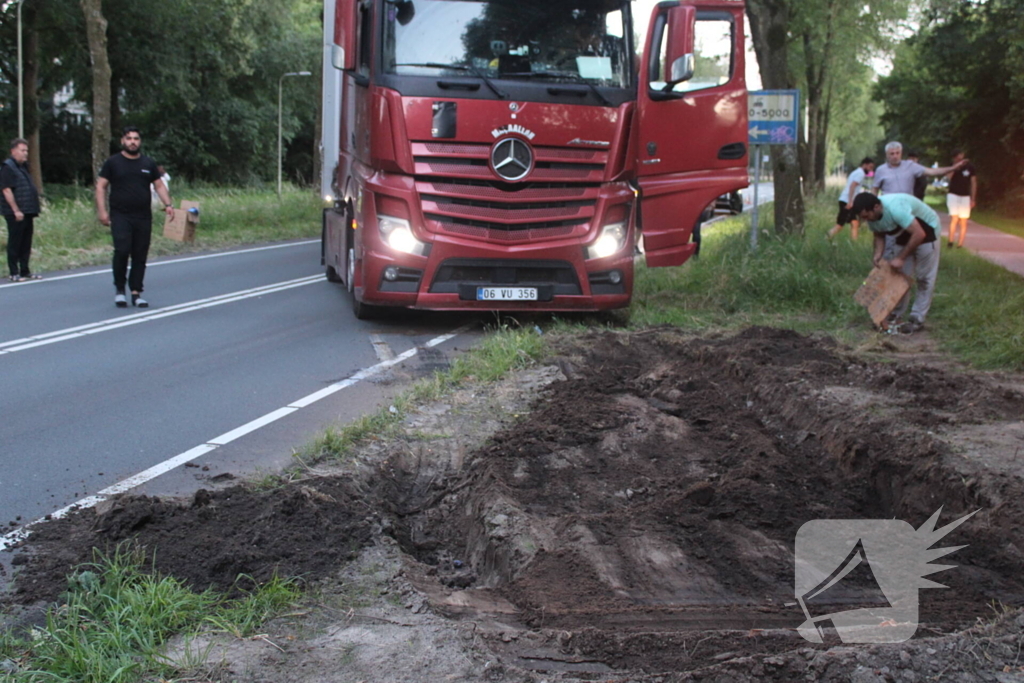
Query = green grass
x=501 y=352
x=800 y=282
x=807 y=284
x=116 y=619
x=67 y=234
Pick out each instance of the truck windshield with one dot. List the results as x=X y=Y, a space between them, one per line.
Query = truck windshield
x=544 y=40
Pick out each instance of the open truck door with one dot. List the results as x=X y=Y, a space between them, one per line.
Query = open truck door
x=692 y=121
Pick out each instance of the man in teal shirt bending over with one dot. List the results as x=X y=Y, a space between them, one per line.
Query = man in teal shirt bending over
x=915 y=228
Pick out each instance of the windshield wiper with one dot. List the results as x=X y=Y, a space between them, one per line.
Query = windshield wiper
x=502 y=95
x=571 y=75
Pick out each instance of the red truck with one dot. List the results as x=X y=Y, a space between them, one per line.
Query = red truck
x=513 y=154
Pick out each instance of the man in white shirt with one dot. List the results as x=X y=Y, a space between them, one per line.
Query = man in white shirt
x=855 y=184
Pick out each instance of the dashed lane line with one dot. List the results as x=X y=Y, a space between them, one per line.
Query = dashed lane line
x=381 y=347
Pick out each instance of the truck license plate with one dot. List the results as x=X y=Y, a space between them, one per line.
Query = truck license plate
x=506 y=293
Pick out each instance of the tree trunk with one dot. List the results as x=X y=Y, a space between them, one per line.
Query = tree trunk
x=31 y=76
x=96 y=32
x=768 y=21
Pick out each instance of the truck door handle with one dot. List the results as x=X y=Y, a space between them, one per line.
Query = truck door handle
x=458 y=85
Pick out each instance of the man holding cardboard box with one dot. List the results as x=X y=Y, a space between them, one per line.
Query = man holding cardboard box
x=914 y=228
x=129 y=175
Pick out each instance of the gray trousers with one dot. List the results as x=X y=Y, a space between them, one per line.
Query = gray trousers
x=923 y=267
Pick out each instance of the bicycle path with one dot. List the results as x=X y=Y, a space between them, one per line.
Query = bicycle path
x=990 y=244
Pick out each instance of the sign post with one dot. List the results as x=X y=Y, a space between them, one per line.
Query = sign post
x=772 y=117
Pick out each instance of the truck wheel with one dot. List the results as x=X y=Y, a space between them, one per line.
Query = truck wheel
x=361 y=310
x=736 y=203
x=331 y=272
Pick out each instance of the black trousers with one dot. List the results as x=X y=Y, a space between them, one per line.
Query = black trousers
x=19 y=244
x=131 y=235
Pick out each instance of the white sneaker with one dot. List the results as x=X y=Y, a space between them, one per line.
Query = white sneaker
x=120 y=301
x=139 y=302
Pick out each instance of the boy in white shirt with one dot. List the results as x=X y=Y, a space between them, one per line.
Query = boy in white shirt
x=856 y=183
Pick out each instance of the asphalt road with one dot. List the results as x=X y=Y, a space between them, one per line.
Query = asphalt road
x=93 y=395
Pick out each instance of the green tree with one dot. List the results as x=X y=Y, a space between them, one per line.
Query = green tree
x=959 y=83
x=831 y=41
x=769 y=20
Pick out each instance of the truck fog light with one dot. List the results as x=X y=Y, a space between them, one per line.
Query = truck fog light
x=610 y=241
x=397 y=234
x=391 y=273
x=615 y=277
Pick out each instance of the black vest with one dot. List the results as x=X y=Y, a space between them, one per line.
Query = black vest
x=25 y=195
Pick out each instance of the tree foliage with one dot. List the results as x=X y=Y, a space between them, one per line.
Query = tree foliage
x=960 y=83
x=199 y=77
x=831 y=42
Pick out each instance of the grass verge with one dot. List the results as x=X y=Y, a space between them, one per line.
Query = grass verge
x=501 y=352
x=807 y=284
x=117 y=618
x=67 y=234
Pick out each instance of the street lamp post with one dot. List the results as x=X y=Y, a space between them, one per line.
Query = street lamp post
x=21 y=80
x=280 y=121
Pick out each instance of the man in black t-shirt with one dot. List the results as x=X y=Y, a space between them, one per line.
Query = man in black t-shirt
x=963 y=195
x=920 y=182
x=129 y=176
x=19 y=205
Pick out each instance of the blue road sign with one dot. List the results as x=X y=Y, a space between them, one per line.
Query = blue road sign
x=773 y=117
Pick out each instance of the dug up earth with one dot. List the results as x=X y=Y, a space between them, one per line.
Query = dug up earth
x=625 y=513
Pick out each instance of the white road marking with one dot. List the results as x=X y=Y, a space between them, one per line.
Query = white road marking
x=151 y=314
x=381 y=347
x=12 y=538
x=155 y=264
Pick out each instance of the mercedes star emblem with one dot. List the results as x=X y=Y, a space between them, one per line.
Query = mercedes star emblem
x=512 y=158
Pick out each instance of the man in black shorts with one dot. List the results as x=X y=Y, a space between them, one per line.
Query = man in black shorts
x=858 y=181
x=129 y=175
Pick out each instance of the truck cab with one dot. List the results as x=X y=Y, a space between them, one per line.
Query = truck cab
x=513 y=154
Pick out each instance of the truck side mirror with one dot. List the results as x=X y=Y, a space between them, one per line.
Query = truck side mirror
x=679 y=57
x=343 y=51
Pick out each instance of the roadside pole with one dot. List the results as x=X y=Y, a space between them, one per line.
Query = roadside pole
x=772 y=117
x=753 y=210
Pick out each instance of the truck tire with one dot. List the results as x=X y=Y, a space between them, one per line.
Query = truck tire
x=736 y=203
x=361 y=310
x=330 y=272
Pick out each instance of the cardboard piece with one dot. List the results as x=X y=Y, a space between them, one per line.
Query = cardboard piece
x=881 y=292
x=182 y=227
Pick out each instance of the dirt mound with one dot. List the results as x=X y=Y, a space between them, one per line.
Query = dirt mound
x=304 y=530
x=642 y=516
x=660 y=489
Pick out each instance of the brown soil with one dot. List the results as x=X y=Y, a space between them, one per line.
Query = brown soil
x=639 y=523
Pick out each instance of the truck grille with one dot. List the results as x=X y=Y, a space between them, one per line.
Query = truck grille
x=462 y=196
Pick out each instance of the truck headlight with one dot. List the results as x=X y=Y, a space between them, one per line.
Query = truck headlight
x=397 y=234
x=611 y=240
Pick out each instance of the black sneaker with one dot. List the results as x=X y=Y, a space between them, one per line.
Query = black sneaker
x=120 y=301
x=911 y=326
x=139 y=302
